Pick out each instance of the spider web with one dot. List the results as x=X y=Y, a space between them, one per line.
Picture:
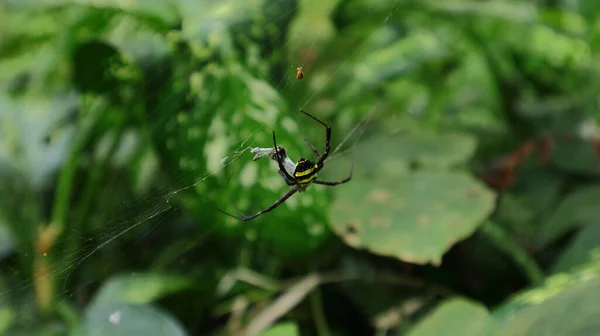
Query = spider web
x=159 y=205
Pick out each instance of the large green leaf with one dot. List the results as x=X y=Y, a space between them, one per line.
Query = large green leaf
x=567 y=304
x=209 y=147
x=415 y=217
x=396 y=152
x=120 y=318
x=458 y=317
x=551 y=288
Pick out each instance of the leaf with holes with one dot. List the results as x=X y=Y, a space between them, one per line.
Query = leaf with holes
x=415 y=217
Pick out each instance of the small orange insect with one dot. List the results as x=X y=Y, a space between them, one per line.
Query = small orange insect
x=300 y=73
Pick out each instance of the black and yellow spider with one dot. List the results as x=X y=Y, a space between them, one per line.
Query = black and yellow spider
x=304 y=174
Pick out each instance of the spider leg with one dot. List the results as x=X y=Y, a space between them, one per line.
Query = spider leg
x=288 y=182
x=277 y=203
x=288 y=177
x=347 y=179
x=322 y=158
x=315 y=150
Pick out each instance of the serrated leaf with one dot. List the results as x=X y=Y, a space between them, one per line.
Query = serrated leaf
x=141 y=288
x=415 y=217
x=116 y=318
x=458 y=317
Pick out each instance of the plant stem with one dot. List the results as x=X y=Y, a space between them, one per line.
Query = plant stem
x=68 y=314
x=47 y=235
x=91 y=186
x=502 y=241
x=67 y=174
x=316 y=304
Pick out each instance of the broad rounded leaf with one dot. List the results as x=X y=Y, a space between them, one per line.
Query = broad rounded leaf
x=119 y=318
x=456 y=317
x=427 y=149
x=141 y=288
x=416 y=217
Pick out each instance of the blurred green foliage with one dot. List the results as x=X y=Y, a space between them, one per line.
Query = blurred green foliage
x=471 y=126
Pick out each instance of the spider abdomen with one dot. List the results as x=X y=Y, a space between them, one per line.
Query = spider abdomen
x=306 y=172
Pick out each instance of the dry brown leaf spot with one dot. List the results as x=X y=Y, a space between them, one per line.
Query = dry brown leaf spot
x=381 y=222
x=423 y=220
x=379 y=195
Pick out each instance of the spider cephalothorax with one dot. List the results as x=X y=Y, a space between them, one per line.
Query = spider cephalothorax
x=304 y=174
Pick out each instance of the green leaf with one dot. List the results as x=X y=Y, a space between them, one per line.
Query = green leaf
x=551 y=288
x=7 y=317
x=567 y=304
x=506 y=10
x=534 y=200
x=458 y=317
x=92 y=65
x=157 y=10
x=119 y=318
x=578 y=157
x=418 y=47
x=415 y=217
x=583 y=249
x=394 y=153
x=26 y=122
x=213 y=157
x=141 y=288
x=282 y=329
x=579 y=207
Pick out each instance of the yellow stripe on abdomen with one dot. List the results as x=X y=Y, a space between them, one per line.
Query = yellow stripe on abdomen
x=307 y=180
x=305 y=172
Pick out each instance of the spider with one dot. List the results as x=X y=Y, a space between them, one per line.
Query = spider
x=304 y=174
